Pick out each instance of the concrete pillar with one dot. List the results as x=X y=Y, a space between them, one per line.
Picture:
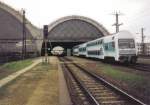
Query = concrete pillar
x=68 y=52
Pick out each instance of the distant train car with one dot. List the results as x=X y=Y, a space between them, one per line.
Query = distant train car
x=82 y=50
x=117 y=47
x=76 y=50
x=95 y=49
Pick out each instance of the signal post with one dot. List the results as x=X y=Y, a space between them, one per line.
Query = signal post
x=45 y=33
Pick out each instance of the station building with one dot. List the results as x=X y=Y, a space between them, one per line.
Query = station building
x=66 y=32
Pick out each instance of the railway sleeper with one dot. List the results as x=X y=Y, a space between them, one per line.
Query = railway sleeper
x=94 y=86
x=110 y=98
x=100 y=91
x=104 y=95
x=97 y=89
x=87 y=81
x=120 y=102
x=91 y=83
x=86 y=103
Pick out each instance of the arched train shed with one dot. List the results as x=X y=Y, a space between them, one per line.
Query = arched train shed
x=11 y=32
x=66 y=32
x=72 y=30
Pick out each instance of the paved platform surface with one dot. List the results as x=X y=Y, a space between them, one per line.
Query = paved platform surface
x=64 y=97
x=36 y=86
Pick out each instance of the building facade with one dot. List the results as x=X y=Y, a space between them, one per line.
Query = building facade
x=146 y=49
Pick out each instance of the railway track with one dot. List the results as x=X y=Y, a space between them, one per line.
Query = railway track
x=87 y=88
x=137 y=66
x=140 y=66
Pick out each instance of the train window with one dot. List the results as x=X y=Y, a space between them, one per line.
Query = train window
x=98 y=52
x=126 y=43
x=106 y=46
x=88 y=45
x=113 y=38
x=112 y=47
x=113 y=44
x=100 y=41
x=132 y=45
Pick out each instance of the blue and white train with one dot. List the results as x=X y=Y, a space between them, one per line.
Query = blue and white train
x=117 y=47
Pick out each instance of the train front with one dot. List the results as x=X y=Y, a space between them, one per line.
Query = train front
x=127 y=49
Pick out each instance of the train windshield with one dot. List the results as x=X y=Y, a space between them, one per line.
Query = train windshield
x=126 y=43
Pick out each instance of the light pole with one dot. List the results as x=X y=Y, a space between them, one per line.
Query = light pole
x=45 y=33
x=142 y=41
x=24 y=34
x=117 y=24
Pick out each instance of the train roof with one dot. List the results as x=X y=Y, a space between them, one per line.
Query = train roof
x=123 y=33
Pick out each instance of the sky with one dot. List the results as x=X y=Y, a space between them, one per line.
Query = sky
x=135 y=14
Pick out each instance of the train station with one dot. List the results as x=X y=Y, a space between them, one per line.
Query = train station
x=72 y=60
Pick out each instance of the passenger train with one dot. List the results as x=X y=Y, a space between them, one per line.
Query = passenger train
x=119 y=47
